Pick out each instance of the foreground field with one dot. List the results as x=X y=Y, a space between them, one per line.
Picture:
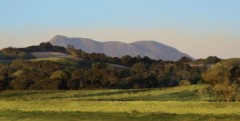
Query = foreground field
x=101 y=116
x=181 y=103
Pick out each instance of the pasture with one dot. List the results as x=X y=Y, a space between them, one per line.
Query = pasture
x=50 y=55
x=64 y=61
x=168 y=104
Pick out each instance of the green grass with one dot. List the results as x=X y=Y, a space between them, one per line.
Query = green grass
x=64 y=61
x=169 y=104
x=171 y=107
x=186 y=93
x=231 y=62
x=91 y=116
x=50 y=55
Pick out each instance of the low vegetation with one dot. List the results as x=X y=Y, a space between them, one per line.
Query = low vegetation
x=224 y=78
x=50 y=55
x=178 y=103
x=64 y=61
x=89 y=71
x=96 y=71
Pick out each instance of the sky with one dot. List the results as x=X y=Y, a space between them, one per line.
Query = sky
x=200 y=28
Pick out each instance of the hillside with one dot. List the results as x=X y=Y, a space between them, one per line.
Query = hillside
x=64 y=61
x=152 y=49
x=40 y=55
x=50 y=54
x=184 y=93
x=230 y=62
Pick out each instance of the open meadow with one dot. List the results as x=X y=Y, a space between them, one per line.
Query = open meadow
x=168 y=104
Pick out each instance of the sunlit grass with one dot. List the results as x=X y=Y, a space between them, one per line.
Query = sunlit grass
x=167 y=94
x=65 y=61
x=171 y=101
x=172 y=107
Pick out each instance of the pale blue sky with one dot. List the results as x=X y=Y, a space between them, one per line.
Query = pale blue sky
x=197 y=27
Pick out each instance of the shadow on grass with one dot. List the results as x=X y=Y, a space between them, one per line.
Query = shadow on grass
x=102 y=94
x=22 y=93
x=98 y=116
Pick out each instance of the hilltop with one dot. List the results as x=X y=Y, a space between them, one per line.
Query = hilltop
x=151 y=49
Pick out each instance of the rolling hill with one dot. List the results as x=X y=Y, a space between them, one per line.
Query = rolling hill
x=50 y=55
x=152 y=49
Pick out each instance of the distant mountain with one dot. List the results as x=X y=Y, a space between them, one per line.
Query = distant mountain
x=152 y=49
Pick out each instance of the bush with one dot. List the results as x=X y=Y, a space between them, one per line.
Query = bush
x=2 y=56
x=227 y=92
x=48 y=84
x=237 y=98
x=223 y=78
x=20 y=84
x=60 y=75
x=184 y=83
x=206 y=92
x=13 y=53
x=73 y=84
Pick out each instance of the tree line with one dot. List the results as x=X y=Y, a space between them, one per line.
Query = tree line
x=102 y=71
x=47 y=75
x=98 y=71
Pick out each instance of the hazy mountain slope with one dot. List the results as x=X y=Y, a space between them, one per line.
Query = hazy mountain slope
x=85 y=44
x=152 y=49
x=157 y=50
x=118 y=49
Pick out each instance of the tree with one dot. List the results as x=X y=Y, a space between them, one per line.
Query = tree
x=73 y=84
x=212 y=60
x=46 y=46
x=139 y=68
x=73 y=51
x=147 y=60
x=50 y=84
x=13 y=53
x=2 y=56
x=60 y=78
x=19 y=64
x=22 y=79
x=224 y=79
x=184 y=83
x=226 y=91
x=5 y=78
x=20 y=84
x=126 y=60
x=60 y=75
x=185 y=60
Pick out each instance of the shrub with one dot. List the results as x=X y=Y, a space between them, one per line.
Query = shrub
x=73 y=84
x=227 y=92
x=20 y=84
x=60 y=75
x=184 y=83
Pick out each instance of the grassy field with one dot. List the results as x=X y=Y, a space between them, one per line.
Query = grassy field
x=50 y=55
x=169 y=104
x=65 y=61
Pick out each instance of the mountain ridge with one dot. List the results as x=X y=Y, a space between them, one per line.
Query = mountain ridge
x=150 y=48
